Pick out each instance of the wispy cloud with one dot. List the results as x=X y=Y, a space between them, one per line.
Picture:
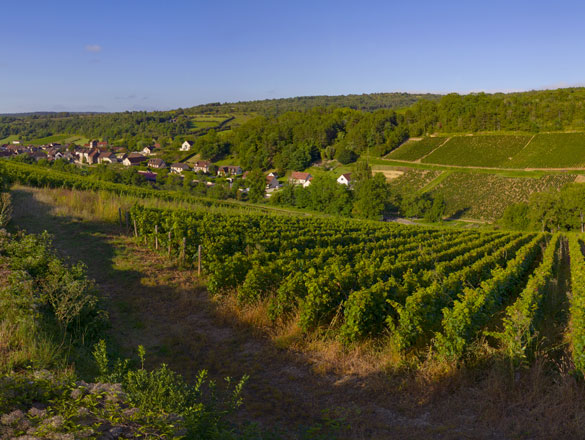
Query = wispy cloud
x=94 y=48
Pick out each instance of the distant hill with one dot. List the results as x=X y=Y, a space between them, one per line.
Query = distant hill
x=50 y=114
x=272 y=107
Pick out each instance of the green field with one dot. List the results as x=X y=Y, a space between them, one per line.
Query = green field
x=481 y=151
x=552 y=150
x=9 y=139
x=416 y=149
x=59 y=138
x=486 y=196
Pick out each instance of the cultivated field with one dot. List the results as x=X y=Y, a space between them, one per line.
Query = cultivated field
x=482 y=151
x=413 y=180
x=486 y=196
x=360 y=298
x=558 y=150
x=416 y=149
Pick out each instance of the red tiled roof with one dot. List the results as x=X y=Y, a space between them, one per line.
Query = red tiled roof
x=299 y=175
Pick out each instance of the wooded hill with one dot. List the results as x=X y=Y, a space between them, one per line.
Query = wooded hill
x=273 y=107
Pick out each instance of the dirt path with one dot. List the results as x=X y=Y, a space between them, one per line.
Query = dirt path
x=555 y=307
x=497 y=170
x=168 y=311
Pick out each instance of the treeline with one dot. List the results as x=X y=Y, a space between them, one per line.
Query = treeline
x=273 y=107
x=127 y=129
x=562 y=210
x=534 y=111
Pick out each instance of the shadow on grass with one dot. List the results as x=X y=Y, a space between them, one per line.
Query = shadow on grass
x=458 y=214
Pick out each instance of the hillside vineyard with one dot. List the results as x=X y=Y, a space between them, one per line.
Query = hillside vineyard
x=425 y=287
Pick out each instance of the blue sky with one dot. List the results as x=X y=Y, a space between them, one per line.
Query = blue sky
x=128 y=55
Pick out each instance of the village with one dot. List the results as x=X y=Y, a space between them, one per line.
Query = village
x=97 y=152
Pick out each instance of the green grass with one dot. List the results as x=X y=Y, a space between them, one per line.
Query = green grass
x=414 y=150
x=482 y=151
x=554 y=150
x=9 y=139
x=49 y=139
x=230 y=160
x=436 y=181
x=60 y=138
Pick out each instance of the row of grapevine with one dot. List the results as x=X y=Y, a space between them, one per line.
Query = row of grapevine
x=353 y=275
x=422 y=313
x=519 y=323
x=577 y=304
x=476 y=306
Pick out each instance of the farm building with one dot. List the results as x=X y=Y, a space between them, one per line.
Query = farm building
x=202 y=166
x=344 y=179
x=229 y=170
x=300 y=178
x=156 y=163
x=186 y=146
x=178 y=168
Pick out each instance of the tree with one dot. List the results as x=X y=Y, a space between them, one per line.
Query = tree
x=371 y=197
x=436 y=211
x=573 y=203
x=545 y=210
x=345 y=156
x=257 y=185
x=516 y=216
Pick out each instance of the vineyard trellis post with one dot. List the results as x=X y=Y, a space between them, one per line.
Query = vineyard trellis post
x=183 y=246
x=136 y=229
x=127 y=222
x=120 y=216
x=199 y=260
x=156 y=237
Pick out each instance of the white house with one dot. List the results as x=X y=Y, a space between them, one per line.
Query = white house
x=344 y=179
x=148 y=150
x=186 y=146
x=229 y=170
x=107 y=157
x=133 y=159
x=300 y=178
x=202 y=165
x=178 y=168
x=156 y=163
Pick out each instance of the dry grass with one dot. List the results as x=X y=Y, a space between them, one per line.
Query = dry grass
x=388 y=174
x=100 y=206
